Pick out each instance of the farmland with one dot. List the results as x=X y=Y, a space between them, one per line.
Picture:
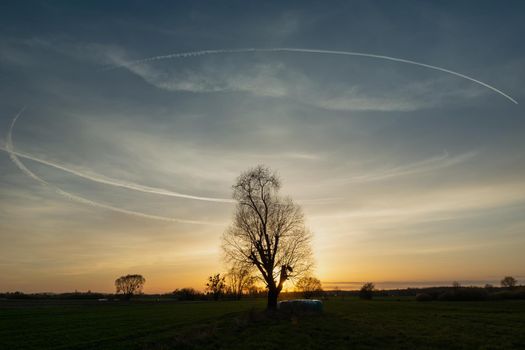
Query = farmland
x=345 y=323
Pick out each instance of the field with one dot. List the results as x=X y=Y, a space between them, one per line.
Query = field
x=345 y=324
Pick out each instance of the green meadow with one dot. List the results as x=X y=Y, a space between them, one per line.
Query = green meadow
x=389 y=323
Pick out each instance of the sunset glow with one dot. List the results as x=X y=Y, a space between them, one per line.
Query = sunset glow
x=407 y=158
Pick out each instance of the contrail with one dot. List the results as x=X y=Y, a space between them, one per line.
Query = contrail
x=115 y=182
x=133 y=186
x=317 y=51
x=111 y=181
x=14 y=157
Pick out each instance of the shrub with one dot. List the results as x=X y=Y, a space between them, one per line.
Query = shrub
x=366 y=291
x=186 y=294
x=465 y=294
x=509 y=294
x=423 y=297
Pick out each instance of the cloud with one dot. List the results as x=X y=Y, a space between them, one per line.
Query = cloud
x=14 y=157
x=280 y=81
x=431 y=203
x=418 y=167
x=115 y=182
x=197 y=82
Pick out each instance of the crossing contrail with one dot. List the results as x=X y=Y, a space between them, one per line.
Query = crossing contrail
x=315 y=51
x=115 y=182
x=9 y=148
x=15 y=156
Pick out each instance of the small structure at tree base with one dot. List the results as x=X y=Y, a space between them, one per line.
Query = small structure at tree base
x=301 y=306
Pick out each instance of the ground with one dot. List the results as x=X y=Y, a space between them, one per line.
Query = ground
x=345 y=324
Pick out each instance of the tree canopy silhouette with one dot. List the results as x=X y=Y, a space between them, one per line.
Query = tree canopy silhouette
x=367 y=291
x=129 y=285
x=309 y=286
x=239 y=279
x=268 y=231
x=216 y=285
x=508 y=282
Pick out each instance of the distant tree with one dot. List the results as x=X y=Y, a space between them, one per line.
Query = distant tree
x=309 y=286
x=239 y=279
x=456 y=285
x=268 y=232
x=255 y=290
x=366 y=291
x=509 y=282
x=216 y=286
x=129 y=285
x=186 y=294
x=489 y=286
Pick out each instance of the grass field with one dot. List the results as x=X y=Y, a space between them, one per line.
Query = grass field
x=345 y=324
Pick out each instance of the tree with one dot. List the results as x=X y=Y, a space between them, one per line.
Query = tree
x=309 y=286
x=215 y=286
x=366 y=291
x=268 y=232
x=240 y=278
x=129 y=285
x=509 y=282
x=186 y=294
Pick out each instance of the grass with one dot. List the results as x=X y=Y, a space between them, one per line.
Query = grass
x=345 y=324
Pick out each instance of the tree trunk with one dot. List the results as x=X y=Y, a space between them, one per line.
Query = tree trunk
x=272 y=299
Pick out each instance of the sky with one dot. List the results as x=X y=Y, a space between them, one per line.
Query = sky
x=407 y=174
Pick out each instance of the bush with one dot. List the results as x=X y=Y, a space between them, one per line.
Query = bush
x=518 y=294
x=186 y=294
x=423 y=297
x=367 y=290
x=465 y=294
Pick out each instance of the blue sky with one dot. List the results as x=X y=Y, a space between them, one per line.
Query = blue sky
x=405 y=173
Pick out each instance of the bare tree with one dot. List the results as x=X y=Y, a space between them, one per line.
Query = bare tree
x=309 y=286
x=509 y=282
x=129 y=285
x=240 y=278
x=268 y=231
x=216 y=286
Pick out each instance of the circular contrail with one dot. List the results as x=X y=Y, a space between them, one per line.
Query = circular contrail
x=9 y=148
x=116 y=182
x=15 y=156
x=316 y=51
x=137 y=187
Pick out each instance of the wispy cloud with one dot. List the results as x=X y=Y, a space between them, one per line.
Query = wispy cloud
x=418 y=167
x=430 y=203
x=14 y=157
x=114 y=182
x=282 y=81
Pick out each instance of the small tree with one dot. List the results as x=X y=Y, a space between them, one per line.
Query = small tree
x=239 y=279
x=366 y=291
x=309 y=286
x=509 y=282
x=129 y=285
x=216 y=286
